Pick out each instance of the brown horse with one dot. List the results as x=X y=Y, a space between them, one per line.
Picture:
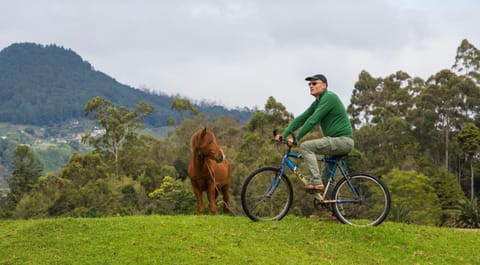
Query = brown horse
x=208 y=170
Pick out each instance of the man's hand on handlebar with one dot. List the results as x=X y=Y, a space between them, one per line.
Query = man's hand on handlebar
x=290 y=142
x=278 y=137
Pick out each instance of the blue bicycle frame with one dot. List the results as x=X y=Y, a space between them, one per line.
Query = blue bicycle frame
x=331 y=163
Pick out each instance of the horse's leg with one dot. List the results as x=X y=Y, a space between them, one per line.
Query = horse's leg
x=198 y=196
x=197 y=191
x=226 y=188
x=226 y=197
x=211 y=198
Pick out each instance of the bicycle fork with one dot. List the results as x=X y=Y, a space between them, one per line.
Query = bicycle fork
x=273 y=185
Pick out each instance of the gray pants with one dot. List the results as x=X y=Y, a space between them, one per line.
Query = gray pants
x=326 y=146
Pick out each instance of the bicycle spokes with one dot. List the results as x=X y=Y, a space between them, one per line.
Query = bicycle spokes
x=266 y=195
x=363 y=200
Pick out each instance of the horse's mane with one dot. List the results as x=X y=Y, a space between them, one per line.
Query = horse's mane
x=194 y=141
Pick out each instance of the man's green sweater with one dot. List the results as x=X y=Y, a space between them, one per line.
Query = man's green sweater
x=329 y=112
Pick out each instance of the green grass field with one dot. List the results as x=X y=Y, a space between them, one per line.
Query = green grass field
x=229 y=240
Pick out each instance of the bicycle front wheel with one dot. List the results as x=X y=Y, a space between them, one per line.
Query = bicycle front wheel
x=266 y=195
x=362 y=200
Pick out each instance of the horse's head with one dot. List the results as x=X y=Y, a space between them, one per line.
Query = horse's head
x=205 y=144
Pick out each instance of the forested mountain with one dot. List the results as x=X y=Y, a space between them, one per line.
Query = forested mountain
x=46 y=85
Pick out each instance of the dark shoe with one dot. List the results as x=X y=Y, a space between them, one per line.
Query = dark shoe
x=318 y=187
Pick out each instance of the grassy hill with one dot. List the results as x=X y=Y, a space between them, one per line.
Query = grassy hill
x=229 y=240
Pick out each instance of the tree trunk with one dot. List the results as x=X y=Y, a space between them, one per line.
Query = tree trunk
x=446 y=146
x=471 y=180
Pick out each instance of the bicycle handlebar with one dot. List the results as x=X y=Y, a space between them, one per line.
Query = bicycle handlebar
x=284 y=140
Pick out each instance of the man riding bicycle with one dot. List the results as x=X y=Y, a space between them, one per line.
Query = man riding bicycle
x=329 y=112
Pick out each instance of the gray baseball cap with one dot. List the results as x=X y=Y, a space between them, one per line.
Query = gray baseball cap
x=317 y=77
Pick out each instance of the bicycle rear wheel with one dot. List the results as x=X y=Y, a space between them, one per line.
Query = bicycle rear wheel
x=368 y=207
x=266 y=196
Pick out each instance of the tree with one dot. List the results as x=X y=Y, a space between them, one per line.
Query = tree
x=449 y=193
x=380 y=113
x=181 y=105
x=413 y=193
x=363 y=100
x=38 y=203
x=467 y=63
x=444 y=100
x=275 y=115
x=173 y=196
x=89 y=189
x=469 y=139
x=26 y=171
x=120 y=125
x=467 y=59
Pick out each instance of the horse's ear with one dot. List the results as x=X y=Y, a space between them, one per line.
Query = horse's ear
x=204 y=132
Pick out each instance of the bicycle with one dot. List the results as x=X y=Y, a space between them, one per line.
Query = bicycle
x=358 y=199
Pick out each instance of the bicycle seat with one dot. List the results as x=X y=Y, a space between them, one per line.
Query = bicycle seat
x=336 y=157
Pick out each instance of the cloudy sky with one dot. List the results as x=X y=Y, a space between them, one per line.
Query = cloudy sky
x=239 y=52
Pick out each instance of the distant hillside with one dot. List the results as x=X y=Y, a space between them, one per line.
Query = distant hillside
x=46 y=85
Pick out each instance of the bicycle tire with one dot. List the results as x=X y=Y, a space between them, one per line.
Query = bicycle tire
x=372 y=208
x=258 y=202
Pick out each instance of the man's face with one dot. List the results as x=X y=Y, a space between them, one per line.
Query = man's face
x=316 y=87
